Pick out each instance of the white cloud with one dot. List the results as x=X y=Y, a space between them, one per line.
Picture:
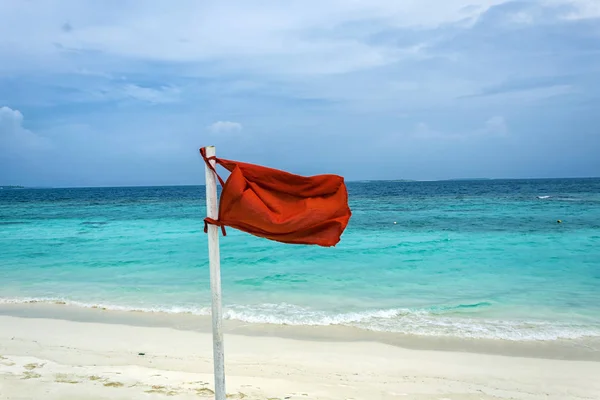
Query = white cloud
x=225 y=126
x=14 y=137
x=10 y=120
x=87 y=72
x=294 y=36
x=423 y=130
x=150 y=95
x=117 y=91
x=495 y=126
x=308 y=44
x=583 y=9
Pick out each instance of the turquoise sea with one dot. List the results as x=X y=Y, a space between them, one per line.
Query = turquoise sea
x=481 y=259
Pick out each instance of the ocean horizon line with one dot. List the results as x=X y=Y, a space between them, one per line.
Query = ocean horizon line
x=25 y=187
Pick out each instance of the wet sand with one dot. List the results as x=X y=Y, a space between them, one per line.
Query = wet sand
x=74 y=353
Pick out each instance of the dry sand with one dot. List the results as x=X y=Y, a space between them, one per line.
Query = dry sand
x=50 y=359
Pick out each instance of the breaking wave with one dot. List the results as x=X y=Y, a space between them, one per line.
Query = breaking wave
x=445 y=321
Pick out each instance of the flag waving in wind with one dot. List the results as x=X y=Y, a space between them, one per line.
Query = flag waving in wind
x=281 y=206
x=272 y=204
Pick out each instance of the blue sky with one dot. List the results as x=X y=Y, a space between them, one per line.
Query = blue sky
x=125 y=92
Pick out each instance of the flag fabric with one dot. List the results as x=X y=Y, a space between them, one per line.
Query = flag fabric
x=281 y=206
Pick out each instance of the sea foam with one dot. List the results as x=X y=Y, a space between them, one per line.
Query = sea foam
x=422 y=322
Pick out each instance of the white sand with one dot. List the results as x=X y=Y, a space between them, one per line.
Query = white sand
x=49 y=359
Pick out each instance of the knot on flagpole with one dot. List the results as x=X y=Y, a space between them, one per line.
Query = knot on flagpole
x=208 y=160
x=213 y=222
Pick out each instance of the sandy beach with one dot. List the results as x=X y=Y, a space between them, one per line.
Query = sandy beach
x=43 y=358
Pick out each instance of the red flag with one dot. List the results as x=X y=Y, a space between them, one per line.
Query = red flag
x=280 y=206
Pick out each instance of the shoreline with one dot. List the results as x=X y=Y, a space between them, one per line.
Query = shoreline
x=585 y=349
x=59 y=359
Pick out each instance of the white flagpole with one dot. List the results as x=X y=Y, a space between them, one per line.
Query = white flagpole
x=215 y=277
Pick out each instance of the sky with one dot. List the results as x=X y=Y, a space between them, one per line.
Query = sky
x=119 y=92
